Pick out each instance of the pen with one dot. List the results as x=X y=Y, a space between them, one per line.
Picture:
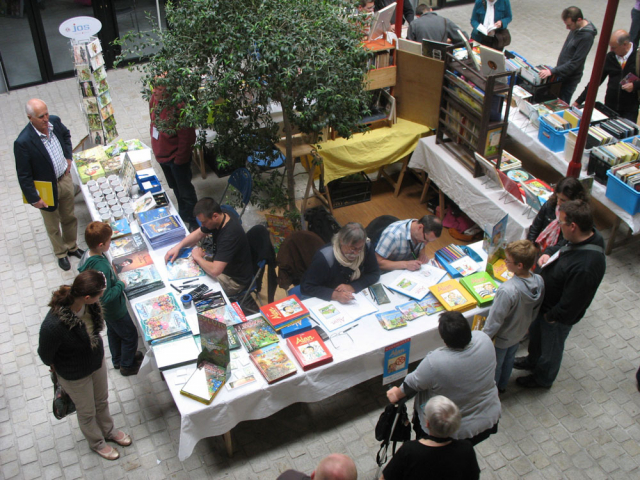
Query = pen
x=190 y=281
x=175 y=288
x=350 y=328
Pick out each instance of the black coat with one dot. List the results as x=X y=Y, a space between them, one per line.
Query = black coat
x=34 y=163
x=407 y=9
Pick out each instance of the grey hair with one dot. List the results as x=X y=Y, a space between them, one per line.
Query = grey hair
x=28 y=108
x=443 y=416
x=351 y=233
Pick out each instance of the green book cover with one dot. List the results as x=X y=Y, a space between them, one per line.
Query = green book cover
x=481 y=287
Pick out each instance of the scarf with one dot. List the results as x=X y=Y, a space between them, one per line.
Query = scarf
x=549 y=236
x=353 y=265
x=489 y=16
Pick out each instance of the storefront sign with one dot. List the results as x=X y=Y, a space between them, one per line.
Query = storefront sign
x=80 y=28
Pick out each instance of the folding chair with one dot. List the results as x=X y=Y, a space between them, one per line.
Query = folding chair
x=241 y=181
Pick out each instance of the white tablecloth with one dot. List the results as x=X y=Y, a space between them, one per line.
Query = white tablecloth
x=526 y=134
x=482 y=203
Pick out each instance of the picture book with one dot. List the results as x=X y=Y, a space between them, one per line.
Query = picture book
x=309 y=350
x=334 y=315
x=160 y=305
x=430 y=304
x=127 y=245
x=94 y=119
x=164 y=327
x=90 y=171
x=131 y=261
x=396 y=361
x=144 y=203
x=497 y=267
x=429 y=274
x=539 y=188
x=495 y=238
x=284 y=312
x=519 y=176
x=87 y=89
x=106 y=112
x=255 y=334
x=111 y=166
x=141 y=280
x=410 y=285
x=300 y=326
x=235 y=315
x=214 y=340
x=159 y=227
x=478 y=322
x=184 y=266
x=492 y=145
x=151 y=215
x=273 y=363
x=481 y=287
x=465 y=266
x=45 y=191
x=453 y=296
x=120 y=228
x=410 y=310
x=391 y=319
x=205 y=383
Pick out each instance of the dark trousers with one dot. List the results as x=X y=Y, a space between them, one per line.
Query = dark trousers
x=567 y=91
x=546 y=347
x=179 y=180
x=123 y=341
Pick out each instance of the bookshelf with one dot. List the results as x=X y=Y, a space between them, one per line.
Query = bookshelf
x=474 y=112
x=383 y=65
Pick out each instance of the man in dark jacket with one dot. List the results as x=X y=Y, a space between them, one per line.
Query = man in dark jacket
x=430 y=26
x=43 y=154
x=407 y=9
x=572 y=272
x=619 y=62
x=574 y=52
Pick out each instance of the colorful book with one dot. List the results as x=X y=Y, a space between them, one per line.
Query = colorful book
x=410 y=310
x=309 y=350
x=184 y=266
x=430 y=304
x=453 y=296
x=205 y=383
x=255 y=334
x=334 y=315
x=141 y=281
x=214 y=340
x=89 y=171
x=162 y=226
x=234 y=341
x=299 y=327
x=151 y=215
x=165 y=327
x=465 y=266
x=497 y=267
x=157 y=306
x=273 y=363
x=481 y=287
x=235 y=315
x=127 y=245
x=120 y=228
x=410 y=285
x=478 y=322
x=284 y=312
x=391 y=319
x=131 y=261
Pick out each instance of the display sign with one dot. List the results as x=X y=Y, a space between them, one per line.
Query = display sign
x=80 y=28
x=396 y=361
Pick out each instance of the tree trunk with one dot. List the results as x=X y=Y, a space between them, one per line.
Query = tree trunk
x=291 y=193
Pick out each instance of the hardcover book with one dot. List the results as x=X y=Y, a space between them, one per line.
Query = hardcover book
x=234 y=341
x=214 y=339
x=205 y=383
x=127 y=245
x=430 y=304
x=309 y=350
x=410 y=310
x=391 y=319
x=255 y=334
x=284 y=312
x=453 y=296
x=165 y=327
x=273 y=363
x=295 y=328
x=481 y=287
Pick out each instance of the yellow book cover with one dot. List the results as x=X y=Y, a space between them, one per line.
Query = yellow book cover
x=571 y=118
x=453 y=296
x=45 y=190
x=478 y=322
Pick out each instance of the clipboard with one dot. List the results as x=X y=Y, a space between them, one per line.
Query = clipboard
x=45 y=190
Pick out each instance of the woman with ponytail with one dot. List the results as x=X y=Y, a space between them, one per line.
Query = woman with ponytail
x=70 y=343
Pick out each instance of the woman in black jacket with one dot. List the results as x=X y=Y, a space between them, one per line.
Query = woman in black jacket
x=545 y=229
x=70 y=343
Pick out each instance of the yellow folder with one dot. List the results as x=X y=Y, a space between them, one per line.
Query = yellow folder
x=45 y=190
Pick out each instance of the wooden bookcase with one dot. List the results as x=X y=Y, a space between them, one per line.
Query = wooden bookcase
x=474 y=112
x=385 y=75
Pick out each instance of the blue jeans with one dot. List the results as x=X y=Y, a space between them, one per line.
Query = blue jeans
x=546 y=346
x=123 y=341
x=504 y=365
x=179 y=180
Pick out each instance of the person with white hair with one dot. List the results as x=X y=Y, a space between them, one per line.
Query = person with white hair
x=438 y=456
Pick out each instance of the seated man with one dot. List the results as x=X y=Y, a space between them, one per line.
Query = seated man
x=401 y=245
x=439 y=455
x=230 y=262
x=343 y=267
x=463 y=371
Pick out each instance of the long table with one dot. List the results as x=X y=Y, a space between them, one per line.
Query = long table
x=484 y=202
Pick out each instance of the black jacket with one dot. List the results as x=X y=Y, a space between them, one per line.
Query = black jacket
x=407 y=9
x=325 y=273
x=34 y=163
x=571 y=281
x=545 y=216
x=616 y=98
x=66 y=344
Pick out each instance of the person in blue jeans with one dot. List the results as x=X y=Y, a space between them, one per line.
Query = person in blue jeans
x=516 y=304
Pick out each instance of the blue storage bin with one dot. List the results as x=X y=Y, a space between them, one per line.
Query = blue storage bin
x=155 y=183
x=452 y=271
x=623 y=195
x=550 y=137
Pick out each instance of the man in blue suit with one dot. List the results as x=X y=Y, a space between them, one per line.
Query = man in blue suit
x=43 y=153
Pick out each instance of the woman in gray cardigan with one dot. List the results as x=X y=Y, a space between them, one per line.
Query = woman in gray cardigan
x=463 y=371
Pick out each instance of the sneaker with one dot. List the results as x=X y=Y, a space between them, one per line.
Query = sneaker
x=522 y=363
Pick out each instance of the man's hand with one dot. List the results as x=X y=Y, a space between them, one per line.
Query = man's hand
x=575 y=104
x=412 y=265
x=345 y=287
x=68 y=166
x=342 y=296
x=198 y=254
x=423 y=258
x=395 y=395
x=627 y=87
x=543 y=259
x=40 y=204
x=545 y=72
x=172 y=254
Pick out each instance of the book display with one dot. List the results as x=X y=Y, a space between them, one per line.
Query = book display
x=453 y=296
x=474 y=111
x=481 y=287
x=284 y=313
x=309 y=350
x=273 y=363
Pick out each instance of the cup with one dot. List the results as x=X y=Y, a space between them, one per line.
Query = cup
x=117 y=214
x=106 y=217
x=113 y=202
x=111 y=178
x=101 y=181
x=94 y=189
x=91 y=183
x=104 y=210
x=105 y=186
x=124 y=201
x=115 y=183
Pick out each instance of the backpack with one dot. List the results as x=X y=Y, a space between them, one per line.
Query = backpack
x=321 y=222
x=401 y=432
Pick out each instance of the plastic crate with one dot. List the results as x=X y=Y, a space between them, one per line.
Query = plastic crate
x=598 y=168
x=149 y=180
x=452 y=271
x=623 y=195
x=550 y=137
x=350 y=190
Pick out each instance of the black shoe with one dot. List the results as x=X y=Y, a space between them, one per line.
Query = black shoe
x=522 y=363
x=529 y=382
x=77 y=253
x=502 y=390
x=116 y=366
x=64 y=264
x=125 y=372
x=138 y=358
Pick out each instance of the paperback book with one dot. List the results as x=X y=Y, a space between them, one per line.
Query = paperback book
x=391 y=320
x=165 y=327
x=453 y=296
x=273 y=363
x=157 y=306
x=151 y=215
x=120 y=228
x=430 y=304
x=141 y=281
x=127 y=245
x=309 y=350
x=184 y=266
x=410 y=310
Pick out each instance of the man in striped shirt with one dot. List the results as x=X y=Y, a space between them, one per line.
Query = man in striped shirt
x=43 y=155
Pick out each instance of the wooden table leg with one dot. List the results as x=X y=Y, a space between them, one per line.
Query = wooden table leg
x=612 y=237
x=228 y=443
x=425 y=190
x=401 y=176
x=441 y=200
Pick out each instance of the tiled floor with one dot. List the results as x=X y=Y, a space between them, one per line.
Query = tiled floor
x=586 y=426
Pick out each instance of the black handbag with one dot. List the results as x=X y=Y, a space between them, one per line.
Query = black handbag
x=501 y=39
x=62 y=403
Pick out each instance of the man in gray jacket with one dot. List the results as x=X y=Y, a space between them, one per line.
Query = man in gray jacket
x=428 y=25
x=574 y=52
x=463 y=371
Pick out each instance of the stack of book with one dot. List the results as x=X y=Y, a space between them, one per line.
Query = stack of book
x=136 y=269
x=273 y=363
x=161 y=229
x=309 y=350
x=557 y=121
x=618 y=153
x=629 y=173
x=508 y=162
x=620 y=128
x=284 y=313
x=598 y=136
x=532 y=74
x=162 y=319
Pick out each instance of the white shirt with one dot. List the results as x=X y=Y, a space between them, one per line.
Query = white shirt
x=489 y=16
x=52 y=144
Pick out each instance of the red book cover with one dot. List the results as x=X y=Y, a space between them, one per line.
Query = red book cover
x=283 y=312
x=238 y=310
x=309 y=349
x=511 y=186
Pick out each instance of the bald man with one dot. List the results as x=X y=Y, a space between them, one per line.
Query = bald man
x=333 y=467
x=622 y=97
x=43 y=153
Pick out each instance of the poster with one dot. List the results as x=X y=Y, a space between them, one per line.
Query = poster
x=396 y=361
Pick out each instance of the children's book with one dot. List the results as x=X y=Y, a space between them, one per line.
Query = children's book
x=495 y=238
x=234 y=341
x=165 y=327
x=465 y=266
x=205 y=383
x=481 y=287
x=159 y=227
x=255 y=334
x=151 y=215
x=120 y=228
x=127 y=245
x=184 y=266
x=300 y=326
x=410 y=285
x=478 y=322
x=284 y=312
x=131 y=261
x=309 y=350
x=111 y=166
x=90 y=171
x=430 y=304
x=240 y=382
x=214 y=340
x=453 y=296
x=391 y=319
x=157 y=306
x=410 y=310
x=497 y=267
x=273 y=363
x=141 y=281
x=333 y=315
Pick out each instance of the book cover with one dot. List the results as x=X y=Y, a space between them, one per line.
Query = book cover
x=478 y=322
x=519 y=176
x=184 y=266
x=131 y=261
x=492 y=144
x=465 y=266
x=497 y=267
x=90 y=171
x=495 y=239
x=410 y=310
x=409 y=285
x=284 y=312
x=162 y=226
x=396 y=361
x=256 y=334
x=481 y=287
x=153 y=307
x=45 y=190
x=234 y=341
x=164 y=327
x=430 y=304
x=111 y=166
x=143 y=203
x=309 y=350
x=214 y=340
x=151 y=215
x=176 y=353
x=300 y=326
x=391 y=319
x=453 y=296
x=235 y=314
x=273 y=363
x=205 y=383
x=127 y=245
x=334 y=315
x=241 y=382
x=120 y=228
x=140 y=278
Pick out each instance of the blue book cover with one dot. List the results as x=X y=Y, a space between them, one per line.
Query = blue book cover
x=120 y=228
x=162 y=226
x=298 y=327
x=151 y=215
x=396 y=361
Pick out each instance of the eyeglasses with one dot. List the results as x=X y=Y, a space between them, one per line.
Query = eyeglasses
x=565 y=223
x=352 y=249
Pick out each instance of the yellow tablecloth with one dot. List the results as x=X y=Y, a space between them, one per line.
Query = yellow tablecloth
x=371 y=150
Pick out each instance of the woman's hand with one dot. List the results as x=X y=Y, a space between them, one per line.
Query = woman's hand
x=498 y=24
